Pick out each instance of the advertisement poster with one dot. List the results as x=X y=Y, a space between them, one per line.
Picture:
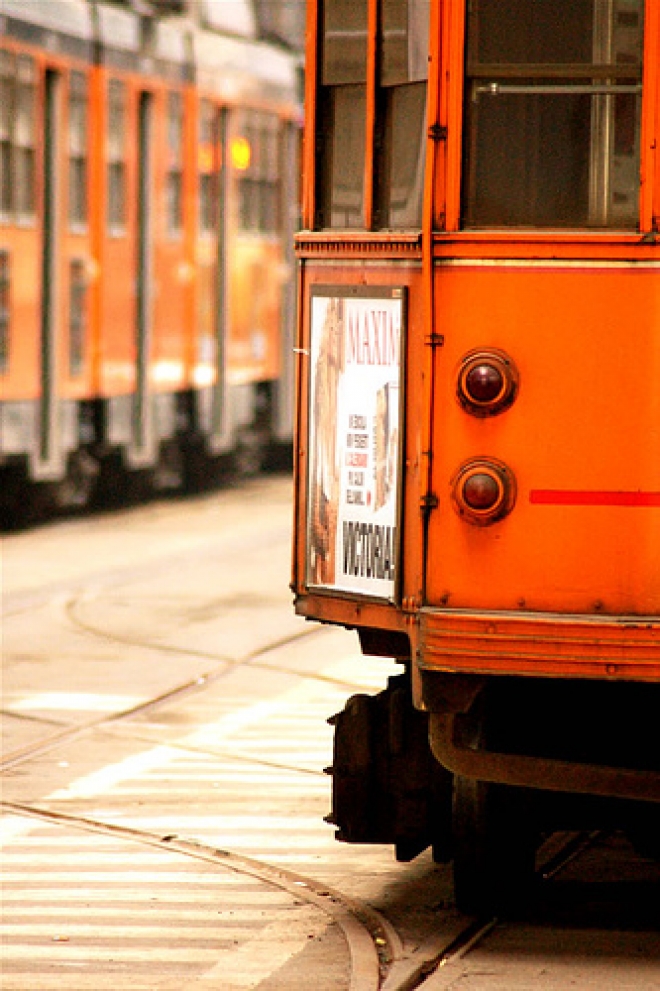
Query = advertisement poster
x=356 y=348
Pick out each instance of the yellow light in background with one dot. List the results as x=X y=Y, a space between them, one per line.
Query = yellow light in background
x=205 y=158
x=241 y=154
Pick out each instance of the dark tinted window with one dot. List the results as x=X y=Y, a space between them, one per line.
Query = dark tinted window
x=78 y=138
x=117 y=125
x=553 y=112
x=174 y=181
x=401 y=119
x=342 y=111
x=24 y=172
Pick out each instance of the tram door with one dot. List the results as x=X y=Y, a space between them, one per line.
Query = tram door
x=219 y=407
x=211 y=281
x=141 y=410
x=48 y=432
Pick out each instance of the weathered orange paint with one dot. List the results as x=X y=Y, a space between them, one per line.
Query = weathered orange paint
x=568 y=585
x=587 y=418
x=24 y=242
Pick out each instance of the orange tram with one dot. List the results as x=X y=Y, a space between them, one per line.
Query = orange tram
x=478 y=432
x=148 y=202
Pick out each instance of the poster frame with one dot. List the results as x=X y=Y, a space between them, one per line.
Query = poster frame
x=398 y=293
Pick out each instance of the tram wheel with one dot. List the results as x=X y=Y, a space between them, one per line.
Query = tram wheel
x=494 y=847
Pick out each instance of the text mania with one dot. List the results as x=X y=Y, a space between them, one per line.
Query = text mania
x=373 y=338
x=369 y=550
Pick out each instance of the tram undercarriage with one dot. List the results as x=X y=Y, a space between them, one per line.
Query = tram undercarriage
x=419 y=779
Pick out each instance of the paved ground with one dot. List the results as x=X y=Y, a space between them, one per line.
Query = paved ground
x=187 y=603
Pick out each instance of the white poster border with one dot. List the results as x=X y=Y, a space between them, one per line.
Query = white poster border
x=355 y=440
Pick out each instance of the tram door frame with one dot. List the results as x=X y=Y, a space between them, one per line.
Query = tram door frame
x=48 y=454
x=220 y=420
x=142 y=444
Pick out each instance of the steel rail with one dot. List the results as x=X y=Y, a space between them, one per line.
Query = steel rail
x=225 y=666
x=364 y=928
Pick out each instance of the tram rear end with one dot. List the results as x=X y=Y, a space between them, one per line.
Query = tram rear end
x=478 y=453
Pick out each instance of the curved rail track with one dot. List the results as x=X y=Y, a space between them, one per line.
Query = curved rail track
x=378 y=960
x=389 y=947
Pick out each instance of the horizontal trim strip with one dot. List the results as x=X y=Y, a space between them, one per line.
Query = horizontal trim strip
x=572 y=264
x=540 y=644
x=577 y=497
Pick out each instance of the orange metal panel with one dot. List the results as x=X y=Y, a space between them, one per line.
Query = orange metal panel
x=25 y=243
x=22 y=380
x=256 y=275
x=586 y=422
x=569 y=583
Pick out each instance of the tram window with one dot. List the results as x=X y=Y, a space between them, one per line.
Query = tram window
x=401 y=132
x=245 y=152
x=4 y=312
x=206 y=166
x=341 y=129
x=269 y=220
x=174 y=182
x=553 y=113
x=25 y=138
x=77 y=316
x=7 y=71
x=256 y=156
x=116 y=156
x=78 y=136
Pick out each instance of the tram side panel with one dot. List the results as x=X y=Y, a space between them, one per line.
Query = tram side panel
x=46 y=254
x=581 y=440
x=103 y=361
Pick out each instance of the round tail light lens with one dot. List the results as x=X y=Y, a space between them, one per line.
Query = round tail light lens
x=487 y=382
x=483 y=491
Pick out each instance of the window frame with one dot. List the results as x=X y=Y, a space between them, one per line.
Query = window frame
x=444 y=159
x=117 y=125
x=376 y=203
x=25 y=140
x=174 y=144
x=78 y=295
x=78 y=151
x=448 y=175
x=259 y=183
x=7 y=118
x=599 y=82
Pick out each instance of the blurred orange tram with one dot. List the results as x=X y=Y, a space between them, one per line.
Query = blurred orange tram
x=478 y=435
x=148 y=201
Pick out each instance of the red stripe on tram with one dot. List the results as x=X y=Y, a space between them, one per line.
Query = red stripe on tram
x=577 y=497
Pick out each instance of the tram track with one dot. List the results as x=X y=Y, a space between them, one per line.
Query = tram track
x=378 y=961
x=252 y=658
x=225 y=665
x=422 y=970
x=372 y=940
